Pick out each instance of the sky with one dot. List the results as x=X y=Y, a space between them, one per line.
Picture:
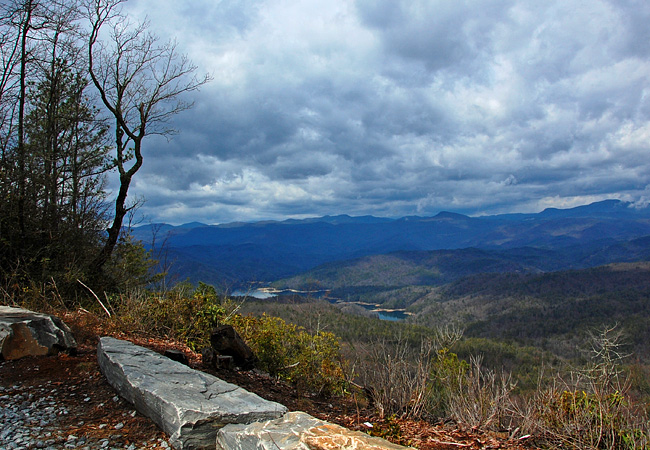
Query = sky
x=401 y=107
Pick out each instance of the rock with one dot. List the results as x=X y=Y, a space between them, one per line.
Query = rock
x=26 y=333
x=177 y=355
x=226 y=341
x=224 y=362
x=187 y=404
x=208 y=357
x=297 y=430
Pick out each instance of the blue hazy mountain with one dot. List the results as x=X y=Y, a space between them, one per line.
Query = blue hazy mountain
x=554 y=239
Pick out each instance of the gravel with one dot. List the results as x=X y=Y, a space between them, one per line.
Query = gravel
x=30 y=419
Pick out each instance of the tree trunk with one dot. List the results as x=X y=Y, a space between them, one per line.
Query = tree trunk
x=116 y=226
x=22 y=175
x=120 y=202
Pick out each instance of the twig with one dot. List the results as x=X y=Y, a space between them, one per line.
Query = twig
x=232 y=313
x=452 y=443
x=57 y=296
x=97 y=298
x=272 y=440
x=290 y=366
x=108 y=302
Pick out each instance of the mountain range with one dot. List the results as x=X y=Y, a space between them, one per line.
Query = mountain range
x=427 y=250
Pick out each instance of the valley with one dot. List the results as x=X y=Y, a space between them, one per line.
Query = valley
x=531 y=286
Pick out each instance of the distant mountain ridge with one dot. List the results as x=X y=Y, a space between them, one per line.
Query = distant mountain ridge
x=237 y=253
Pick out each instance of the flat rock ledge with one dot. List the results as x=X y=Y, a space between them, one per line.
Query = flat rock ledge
x=200 y=411
x=27 y=333
x=297 y=431
x=189 y=405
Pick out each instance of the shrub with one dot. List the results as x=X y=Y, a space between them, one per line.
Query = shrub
x=447 y=371
x=410 y=381
x=311 y=361
x=479 y=397
x=395 y=376
x=592 y=410
x=390 y=429
x=182 y=313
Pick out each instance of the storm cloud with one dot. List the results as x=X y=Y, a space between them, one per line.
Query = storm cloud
x=393 y=108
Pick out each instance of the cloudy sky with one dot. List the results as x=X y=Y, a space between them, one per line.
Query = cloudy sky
x=401 y=107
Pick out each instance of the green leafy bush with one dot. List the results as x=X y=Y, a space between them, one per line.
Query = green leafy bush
x=447 y=371
x=183 y=313
x=390 y=429
x=311 y=361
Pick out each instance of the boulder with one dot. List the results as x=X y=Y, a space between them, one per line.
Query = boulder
x=225 y=341
x=297 y=431
x=211 y=360
x=178 y=356
x=187 y=404
x=27 y=333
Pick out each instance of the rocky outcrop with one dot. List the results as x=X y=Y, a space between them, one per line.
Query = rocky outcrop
x=189 y=405
x=297 y=431
x=26 y=333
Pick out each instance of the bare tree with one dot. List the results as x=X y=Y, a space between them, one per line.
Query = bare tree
x=140 y=81
x=10 y=40
x=9 y=59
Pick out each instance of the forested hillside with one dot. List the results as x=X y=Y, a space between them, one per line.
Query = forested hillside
x=494 y=297
x=552 y=310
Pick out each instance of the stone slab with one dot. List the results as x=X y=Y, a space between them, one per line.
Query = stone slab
x=297 y=431
x=27 y=333
x=189 y=405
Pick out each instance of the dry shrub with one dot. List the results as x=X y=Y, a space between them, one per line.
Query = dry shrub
x=408 y=381
x=396 y=377
x=480 y=398
x=593 y=408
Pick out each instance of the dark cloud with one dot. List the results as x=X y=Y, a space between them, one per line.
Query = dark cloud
x=395 y=107
x=440 y=35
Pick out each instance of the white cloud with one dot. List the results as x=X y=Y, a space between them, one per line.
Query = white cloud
x=395 y=107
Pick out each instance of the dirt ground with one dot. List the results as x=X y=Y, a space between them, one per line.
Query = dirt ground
x=95 y=411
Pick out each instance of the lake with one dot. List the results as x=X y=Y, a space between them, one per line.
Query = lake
x=393 y=315
x=268 y=292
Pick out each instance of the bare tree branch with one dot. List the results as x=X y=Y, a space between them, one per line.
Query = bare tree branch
x=141 y=82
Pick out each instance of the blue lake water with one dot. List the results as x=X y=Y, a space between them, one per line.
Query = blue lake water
x=266 y=293
x=392 y=316
x=253 y=293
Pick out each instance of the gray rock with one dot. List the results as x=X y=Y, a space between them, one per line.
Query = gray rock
x=187 y=404
x=297 y=431
x=26 y=333
x=177 y=356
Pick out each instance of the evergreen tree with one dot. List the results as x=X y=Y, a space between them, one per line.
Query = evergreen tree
x=54 y=148
x=68 y=156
